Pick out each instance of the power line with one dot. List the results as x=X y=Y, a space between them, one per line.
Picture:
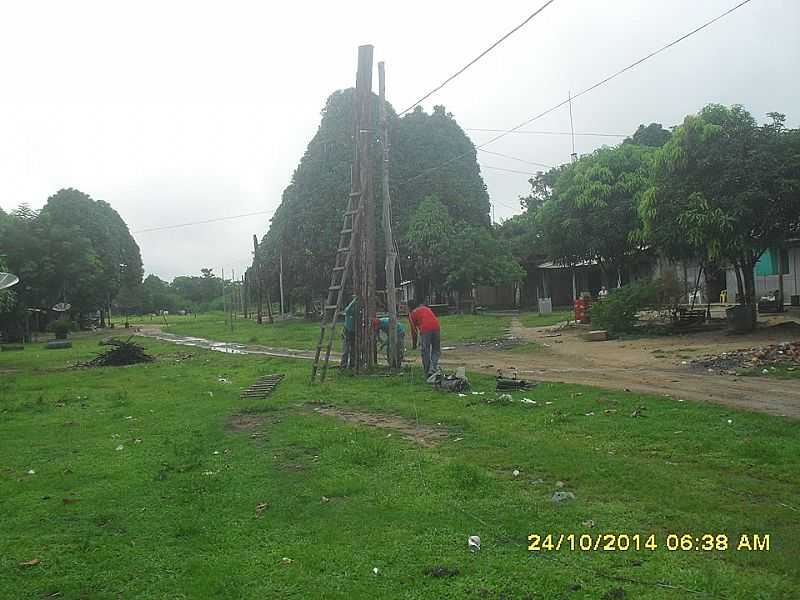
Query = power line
x=161 y=228
x=506 y=170
x=506 y=205
x=528 y=131
x=586 y=91
x=477 y=58
x=529 y=162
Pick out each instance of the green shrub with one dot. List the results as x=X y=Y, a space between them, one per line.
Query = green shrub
x=618 y=312
x=61 y=328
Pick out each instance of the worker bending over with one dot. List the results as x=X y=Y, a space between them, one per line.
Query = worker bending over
x=423 y=320
x=381 y=328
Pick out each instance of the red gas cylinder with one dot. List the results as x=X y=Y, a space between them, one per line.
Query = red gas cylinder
x=580 y=308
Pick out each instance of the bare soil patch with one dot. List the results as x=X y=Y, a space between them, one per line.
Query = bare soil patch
x=240 y=423
x=423 y=435
x=657 y=365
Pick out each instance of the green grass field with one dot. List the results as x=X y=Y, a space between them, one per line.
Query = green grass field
x=146 y=484
x=303 y=335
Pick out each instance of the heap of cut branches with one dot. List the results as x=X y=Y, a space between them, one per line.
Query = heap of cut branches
x=122 y=353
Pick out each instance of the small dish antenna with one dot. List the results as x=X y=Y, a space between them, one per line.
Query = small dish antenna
x=62 y=307
x=7 y=280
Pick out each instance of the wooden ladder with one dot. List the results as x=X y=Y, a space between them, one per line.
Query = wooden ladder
x=333 y=304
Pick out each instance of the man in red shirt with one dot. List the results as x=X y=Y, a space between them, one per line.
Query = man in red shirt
x=423 y=320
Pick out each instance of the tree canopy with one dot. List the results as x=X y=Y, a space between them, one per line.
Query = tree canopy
x=591 y=213
x=725 y=189
x=305 y=227
x=75 y=249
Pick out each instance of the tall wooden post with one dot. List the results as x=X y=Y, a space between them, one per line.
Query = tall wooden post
x=391 y=255
x=364 y=134
x=259 y=283
x=245 y=296
x=232 y=303
x=224 y=308
x=280 y=282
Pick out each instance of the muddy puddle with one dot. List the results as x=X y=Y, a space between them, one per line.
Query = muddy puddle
x=227 y=347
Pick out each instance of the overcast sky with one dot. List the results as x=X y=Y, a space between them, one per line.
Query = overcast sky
x=184 y=111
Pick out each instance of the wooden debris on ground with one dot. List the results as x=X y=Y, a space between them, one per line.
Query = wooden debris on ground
x=122 y=353
x=263 y=386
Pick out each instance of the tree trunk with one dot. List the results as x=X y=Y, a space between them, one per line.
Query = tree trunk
x=737 y=270
x=750 y=287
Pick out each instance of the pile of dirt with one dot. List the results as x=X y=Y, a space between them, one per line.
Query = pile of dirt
x=728 y=363
x=122 y=353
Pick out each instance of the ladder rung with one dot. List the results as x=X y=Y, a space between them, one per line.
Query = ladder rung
x=345 y=231
x=350 y=213
x=339 y=268
x=355 y=194
x=331 y=306
x=345 y=249
x=333 y=288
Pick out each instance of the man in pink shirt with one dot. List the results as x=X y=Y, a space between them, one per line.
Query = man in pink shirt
x=424 y=322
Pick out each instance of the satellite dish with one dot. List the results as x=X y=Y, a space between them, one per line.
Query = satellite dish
x=7 y=280
x=62 y=307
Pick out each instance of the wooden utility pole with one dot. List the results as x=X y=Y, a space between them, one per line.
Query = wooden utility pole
x=364 y=265
x=391 y=255
x=259 y=283
x=280 y=281
x=224 y=308
x=231 y=300
x=245 y=294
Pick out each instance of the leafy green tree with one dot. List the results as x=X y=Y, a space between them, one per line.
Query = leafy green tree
x=653 y=135
x=432 y=156
x=477 y=257
x=92 y=253
x=196 y=291
x=74 y=249
x=725 y=189
x=305 y=227
x=430 y=234
x=592 y=214
x=447 y=254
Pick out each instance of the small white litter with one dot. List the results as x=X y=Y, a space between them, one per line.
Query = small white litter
x=730 y=421
x=515 y=472
x=120 y=447
x=474 y=543
x=31 y=472
x=375 y=570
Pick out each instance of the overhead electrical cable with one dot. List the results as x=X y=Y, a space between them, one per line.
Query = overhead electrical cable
x=477 y=58
x=506 y=170
x=528 y=131
x=587 y=90
x=529 y=162
x=161 y=228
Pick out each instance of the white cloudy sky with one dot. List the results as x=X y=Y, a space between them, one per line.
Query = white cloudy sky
x=185 y=111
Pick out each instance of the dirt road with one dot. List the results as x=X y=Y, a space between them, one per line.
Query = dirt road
x=654 y=366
